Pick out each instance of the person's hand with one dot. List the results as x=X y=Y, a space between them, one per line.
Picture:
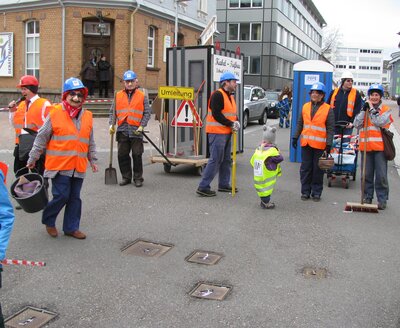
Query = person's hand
x=236 y=126
x=12 y=106
x=95 y=168
x=328 y=149
x=349 y=125
x=294 y=143
x=31 y=165
x=112 y=129
x=139 y=130
x=365 y=107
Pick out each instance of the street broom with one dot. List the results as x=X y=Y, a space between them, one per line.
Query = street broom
x=361 y=207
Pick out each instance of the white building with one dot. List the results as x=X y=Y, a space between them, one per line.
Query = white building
x=366 y=64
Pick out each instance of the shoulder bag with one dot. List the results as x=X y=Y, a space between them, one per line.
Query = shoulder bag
x=388 y=145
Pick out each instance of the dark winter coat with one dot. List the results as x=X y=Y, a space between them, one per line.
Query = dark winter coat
x=88 y=71
x=104 y=70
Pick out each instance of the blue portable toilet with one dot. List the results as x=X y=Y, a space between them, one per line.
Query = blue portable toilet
x=306 y=73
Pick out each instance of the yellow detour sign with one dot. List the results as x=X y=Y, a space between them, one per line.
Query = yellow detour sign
x=176 y=93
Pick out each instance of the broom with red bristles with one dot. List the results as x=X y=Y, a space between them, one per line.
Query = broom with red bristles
x=361 y=207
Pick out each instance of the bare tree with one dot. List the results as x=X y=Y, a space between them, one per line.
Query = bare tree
x=331 y=40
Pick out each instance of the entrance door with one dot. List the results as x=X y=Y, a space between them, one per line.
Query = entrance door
x=97 y=45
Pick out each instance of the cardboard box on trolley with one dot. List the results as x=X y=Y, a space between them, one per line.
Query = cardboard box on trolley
x=183 y=112
x=306 y=73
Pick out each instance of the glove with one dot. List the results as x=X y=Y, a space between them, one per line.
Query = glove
x=236 y=126
x=328 y=149
x=112 y=129
x=365 y=107
x=294 y=143
x=139 y=130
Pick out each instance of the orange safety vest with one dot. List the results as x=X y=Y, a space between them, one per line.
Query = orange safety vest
x=374 y=134
x=314 y=130
x=132 y=111
x=351 y=100
x=68 y=148
x=229 y=111
x=34 y=118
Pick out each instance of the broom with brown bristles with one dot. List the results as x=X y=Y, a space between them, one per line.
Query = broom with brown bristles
x=361 y=207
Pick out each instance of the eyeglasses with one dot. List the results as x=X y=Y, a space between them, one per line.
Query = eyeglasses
x=78 y=94
x=129 y=81
x=349 y=80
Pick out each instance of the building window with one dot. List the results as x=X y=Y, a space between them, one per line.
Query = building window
x=244 y=32
x=254 y=65
x=32 y=40
x=245 y=3
x=151 y=35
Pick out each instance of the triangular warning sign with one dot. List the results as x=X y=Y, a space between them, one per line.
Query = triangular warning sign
x=184 y=115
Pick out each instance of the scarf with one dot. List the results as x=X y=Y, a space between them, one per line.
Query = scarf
x=72 y=111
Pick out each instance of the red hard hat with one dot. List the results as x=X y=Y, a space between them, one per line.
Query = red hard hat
x=28 y=80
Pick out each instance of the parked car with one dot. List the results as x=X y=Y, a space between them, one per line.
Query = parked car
x=272 y=102
x=255 y=105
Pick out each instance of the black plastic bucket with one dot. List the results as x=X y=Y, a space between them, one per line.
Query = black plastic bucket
x=37 y=201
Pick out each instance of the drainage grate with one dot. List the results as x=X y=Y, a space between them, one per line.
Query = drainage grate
x=210 y=291
x=204 y=257
x=319 y=273
x=30 y=317
x=146 y=248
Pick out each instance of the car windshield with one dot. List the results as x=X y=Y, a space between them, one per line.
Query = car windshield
x=272 y=96
x=247 y=93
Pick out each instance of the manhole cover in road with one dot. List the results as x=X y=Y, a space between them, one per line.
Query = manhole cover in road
x=204 y=257
x=146 y=248
x=310 y=272
x=210 y=291
x=30 y=317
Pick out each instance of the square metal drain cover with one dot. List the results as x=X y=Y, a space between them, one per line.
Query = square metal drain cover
x=204 y=257
x=210 y=291
x=146 y=248
x=30 y=317
x=310 y=272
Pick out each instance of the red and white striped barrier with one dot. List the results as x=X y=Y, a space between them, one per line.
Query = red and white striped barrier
x=98 y=100
x=22 y=262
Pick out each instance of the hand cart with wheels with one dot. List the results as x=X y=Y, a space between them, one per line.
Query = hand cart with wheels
x=345 y=153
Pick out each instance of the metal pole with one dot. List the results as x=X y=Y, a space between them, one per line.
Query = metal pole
x=176 y=24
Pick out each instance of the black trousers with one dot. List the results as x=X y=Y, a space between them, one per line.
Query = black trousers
x=19 y=164
x=127 y=145
x=311 y=176
x=103 y=85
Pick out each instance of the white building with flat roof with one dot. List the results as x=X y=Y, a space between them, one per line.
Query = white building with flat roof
x=366 y=64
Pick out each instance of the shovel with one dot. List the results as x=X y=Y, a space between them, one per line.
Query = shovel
x=111 y=173
x=161 y=153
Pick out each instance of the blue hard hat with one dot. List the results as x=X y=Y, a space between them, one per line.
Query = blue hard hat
x=130 y=75
x=318 y=86
x=227 y=76
x=73 y=84
x=376 y=88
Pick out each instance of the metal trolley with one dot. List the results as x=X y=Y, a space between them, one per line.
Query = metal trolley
x=345 y=154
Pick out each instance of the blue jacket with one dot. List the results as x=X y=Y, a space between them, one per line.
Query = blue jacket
x=6 y=217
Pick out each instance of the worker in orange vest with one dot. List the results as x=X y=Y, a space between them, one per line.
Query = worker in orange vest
x=131 y=113
x=221 y=121
x=67 y=136
x=316 y=127
x=30 y=113
x=379 y=116
x=346 y=102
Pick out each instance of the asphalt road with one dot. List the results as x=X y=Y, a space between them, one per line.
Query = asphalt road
x=91 y=283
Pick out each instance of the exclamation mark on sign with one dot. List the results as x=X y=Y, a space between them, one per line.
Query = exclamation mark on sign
x=186 y=112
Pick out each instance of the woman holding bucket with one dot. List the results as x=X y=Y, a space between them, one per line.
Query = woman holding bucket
x=67 y=136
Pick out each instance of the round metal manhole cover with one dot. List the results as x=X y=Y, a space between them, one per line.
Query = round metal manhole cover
x=310 y=272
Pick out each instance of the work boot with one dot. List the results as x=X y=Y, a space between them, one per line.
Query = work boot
x=138 y=183
x=124 y=182
x=381 y=206
x=305 y=197
x=267 y=206
x=367 y=201
x=227 y=189
x=206 y=192
x=316 y=198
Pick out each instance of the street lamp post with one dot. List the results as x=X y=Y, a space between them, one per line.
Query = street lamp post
x=176 y=21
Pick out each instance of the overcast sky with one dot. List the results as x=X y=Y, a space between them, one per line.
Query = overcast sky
x=364 y=23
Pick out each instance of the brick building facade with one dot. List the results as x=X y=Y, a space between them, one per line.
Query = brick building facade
x=134 y=38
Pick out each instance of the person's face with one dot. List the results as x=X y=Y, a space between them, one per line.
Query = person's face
x=316 y=96
x=374 y=98
x=75 y=98
x=230 y=85
x=28 y=94
x=348 y=84
x=131 y=84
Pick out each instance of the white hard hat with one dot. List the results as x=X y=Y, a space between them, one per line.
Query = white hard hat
x=347 y=75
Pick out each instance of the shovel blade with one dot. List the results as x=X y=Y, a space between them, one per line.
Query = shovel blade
x=111 y=176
